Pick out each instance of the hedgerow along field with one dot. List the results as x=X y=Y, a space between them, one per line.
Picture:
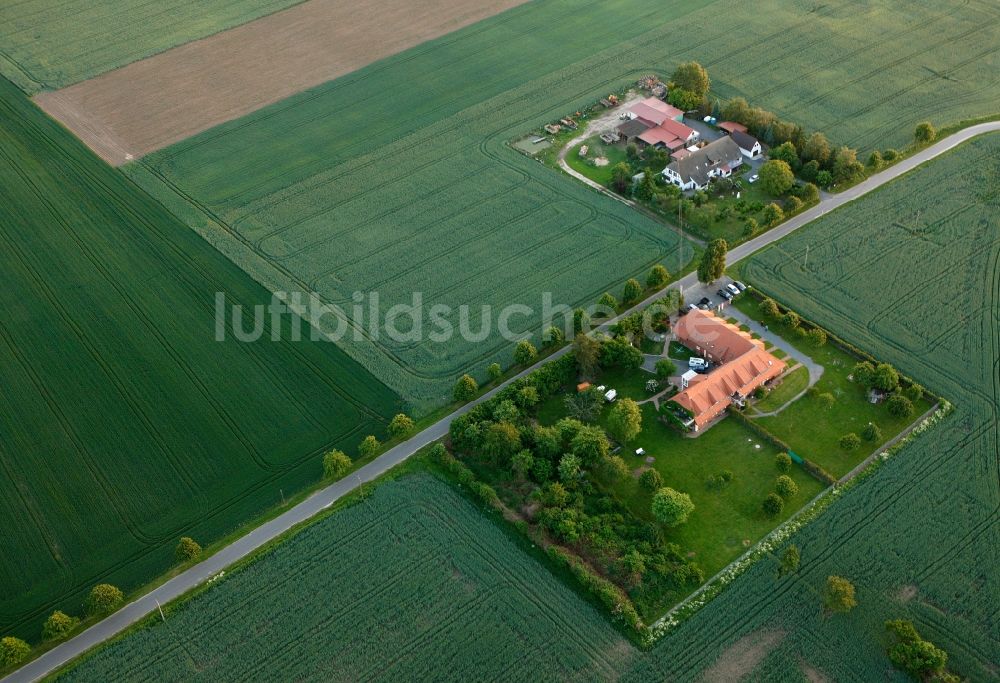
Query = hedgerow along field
x=123 y=423
x=416 y=584
x=917 y=538
x=46 y=45
x=398 y=178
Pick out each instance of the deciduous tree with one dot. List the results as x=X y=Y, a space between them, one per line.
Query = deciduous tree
x=658 y=277
x=103 y=600
x=786 y=487
x=789 y=562
x=924 y=132
x=336 y=464
x=838 y=594
x=621 y=178
x=401 y=425
x=501 y=441
x=584 y=405
x=632 y=291
x=785 y=152
x=670 y=507
x=608 y=301
x=368 y=446
x=58 y=625
x=871 y=432
x=665 y=368
x=187 y=549
x=13 y=651
x=651 y=480
x=776 y=177
x=885 y=377
x=691 y=76
x=625 y=420
x=816 y=148
x=553 y=336
x=773 y=505
x=525 y=352
x=899 y=406
x=569 y=468
x=850 y=442
x=773 y=215
x=465 y=388
x=587 y=352
x=522 y=463
x=713 y=261
x=590 y=444
x=918 y=657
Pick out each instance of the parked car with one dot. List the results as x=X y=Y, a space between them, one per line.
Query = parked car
x=696 y=363
x=740 y=286
x=753 y=178
x=733 y=289
x=705 y=301
x=724 y=293
x=689 y=308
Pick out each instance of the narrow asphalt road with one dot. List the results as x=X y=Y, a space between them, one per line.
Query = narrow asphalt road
x=324 y=498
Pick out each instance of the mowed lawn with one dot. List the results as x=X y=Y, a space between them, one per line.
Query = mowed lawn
x=727 y=519
x=123 y=423
x=398 y=178
x=811 y=428
x=48 y=45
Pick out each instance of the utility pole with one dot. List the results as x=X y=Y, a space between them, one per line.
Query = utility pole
x=161 y=610
x=805 y=263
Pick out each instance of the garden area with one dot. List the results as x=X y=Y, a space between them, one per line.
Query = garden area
x=641 y=511
x=834 y=424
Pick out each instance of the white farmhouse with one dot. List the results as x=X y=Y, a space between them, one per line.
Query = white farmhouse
x=715 y=160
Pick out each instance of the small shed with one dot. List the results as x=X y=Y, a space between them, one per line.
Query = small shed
x=732 y=127
x=687 y=378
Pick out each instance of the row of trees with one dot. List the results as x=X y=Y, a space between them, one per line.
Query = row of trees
x=525 y=353
x=103 y=600
x=811 y=157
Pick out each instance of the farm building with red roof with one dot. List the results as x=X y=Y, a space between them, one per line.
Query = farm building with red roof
x=744 y=365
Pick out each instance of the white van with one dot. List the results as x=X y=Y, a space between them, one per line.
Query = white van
x=696 y=363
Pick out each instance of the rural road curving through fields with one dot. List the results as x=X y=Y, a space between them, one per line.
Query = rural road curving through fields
x=324 y=498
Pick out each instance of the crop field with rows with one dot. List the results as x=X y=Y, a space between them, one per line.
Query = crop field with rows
x=397 y=178
x=918 y=538
x=124 y=424
x=416 y=584
x=46 y=44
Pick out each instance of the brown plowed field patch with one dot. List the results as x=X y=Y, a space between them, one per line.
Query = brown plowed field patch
x=152 y=103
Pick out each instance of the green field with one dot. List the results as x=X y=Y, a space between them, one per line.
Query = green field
x=417 y=584
x=123 y=423
x=46 y=45
x=918 y=539
x=397 y=178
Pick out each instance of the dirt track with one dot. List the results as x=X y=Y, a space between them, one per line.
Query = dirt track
x=139 y=108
